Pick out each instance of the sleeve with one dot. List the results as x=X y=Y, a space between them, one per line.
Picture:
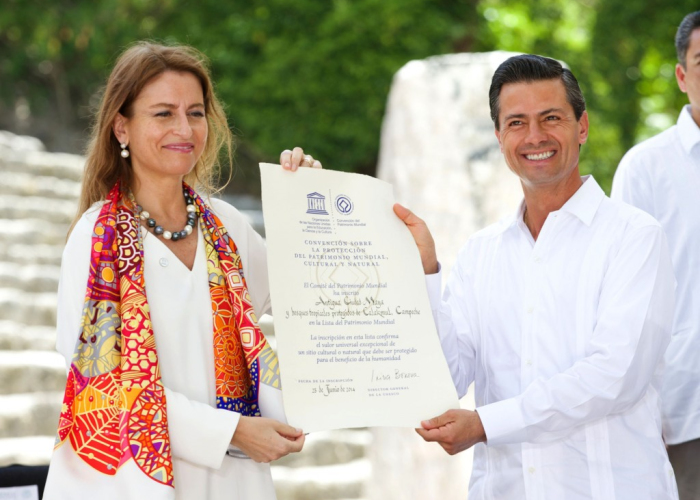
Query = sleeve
x=256 y=268
x=631 y=183
x=72 y=286
x=199 y=433
x=633 y=328
x=455 y=319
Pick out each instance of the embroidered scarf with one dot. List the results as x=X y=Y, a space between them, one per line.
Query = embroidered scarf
x=114 y=408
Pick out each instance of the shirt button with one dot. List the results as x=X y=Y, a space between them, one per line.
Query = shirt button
x=537 y=259
x=531 y=470
x=163 y=262
x=530 y=309
x=528 y=362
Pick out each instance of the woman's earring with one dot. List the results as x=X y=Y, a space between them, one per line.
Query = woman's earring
x=125 y=152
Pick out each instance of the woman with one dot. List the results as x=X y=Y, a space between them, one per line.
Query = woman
x=168 y=372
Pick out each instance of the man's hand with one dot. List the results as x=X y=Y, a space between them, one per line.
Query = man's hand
x=421 y=234
x=265 y=439
x=292 y=160
x=454 y=430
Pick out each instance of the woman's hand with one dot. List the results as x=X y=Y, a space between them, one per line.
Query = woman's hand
x=264 y=439
x=291 y=160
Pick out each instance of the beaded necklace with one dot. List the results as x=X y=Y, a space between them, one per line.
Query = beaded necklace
x=175 y=235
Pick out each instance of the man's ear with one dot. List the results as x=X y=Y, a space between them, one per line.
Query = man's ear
x=498 y=136
x=680 y=78
x=119 y=129
x=583 y=131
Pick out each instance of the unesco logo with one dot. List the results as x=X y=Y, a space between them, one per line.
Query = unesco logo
x=344 y=205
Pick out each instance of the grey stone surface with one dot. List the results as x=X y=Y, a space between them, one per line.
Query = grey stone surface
x=62 y=165
x=26 y=184
x=29 y=308
x=22 y=253
x=52 y=210
x=29 y=414
x=329 y=448
x=330 y=482
x=439 y=150
x=29 y=277
x=24 y=372
x=31 y=232
x=16 y=336
x=14 y=142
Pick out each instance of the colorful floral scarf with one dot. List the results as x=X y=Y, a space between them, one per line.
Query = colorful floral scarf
x=114 y=407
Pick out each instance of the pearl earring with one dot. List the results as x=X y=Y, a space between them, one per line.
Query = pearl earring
x=125 y=152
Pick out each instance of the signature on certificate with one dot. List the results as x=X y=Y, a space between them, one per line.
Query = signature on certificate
x=396 y=374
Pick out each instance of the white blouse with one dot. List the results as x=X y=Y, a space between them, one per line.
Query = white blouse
x=564 y=338
x=181 y=316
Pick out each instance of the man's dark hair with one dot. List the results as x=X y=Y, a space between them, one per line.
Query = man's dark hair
x=686 y=28
x=530 y=68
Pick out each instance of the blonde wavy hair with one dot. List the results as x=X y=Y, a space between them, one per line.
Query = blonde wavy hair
x=137 y=66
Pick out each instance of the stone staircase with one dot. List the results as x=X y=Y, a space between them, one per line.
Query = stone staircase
x=38 y=198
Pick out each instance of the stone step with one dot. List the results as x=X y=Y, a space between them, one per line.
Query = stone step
x=329 y=448
x=36 y=309
x=30 y=414
x=25 y=184
x=8 y=140
x=42 y=254
x=330 y=482
x=29 y=450
x=31 y=371
x=29 y=277
x=333 y=482
x=31 y=232
x=16 y=336
x=60 y=212
x=41 y=163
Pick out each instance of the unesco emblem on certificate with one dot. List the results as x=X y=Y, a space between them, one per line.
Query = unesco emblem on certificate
x=343 y=204
x=316 y=203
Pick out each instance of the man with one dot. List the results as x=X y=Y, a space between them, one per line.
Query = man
x=560 y=315
x=662 y=177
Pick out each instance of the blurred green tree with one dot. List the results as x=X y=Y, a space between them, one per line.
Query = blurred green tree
x=317 y=73
x=290 y=72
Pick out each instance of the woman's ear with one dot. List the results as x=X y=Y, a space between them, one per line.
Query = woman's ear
x=119 y=129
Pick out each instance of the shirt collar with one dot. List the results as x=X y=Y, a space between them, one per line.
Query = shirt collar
x=688 y=130
x=583 y=204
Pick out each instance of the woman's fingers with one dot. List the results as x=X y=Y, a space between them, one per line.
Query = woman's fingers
x=265 y=439
x=285 y=159
x=292 y=160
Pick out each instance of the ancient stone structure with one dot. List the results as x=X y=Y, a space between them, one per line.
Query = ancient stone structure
x=38 y=199
x=439 y=150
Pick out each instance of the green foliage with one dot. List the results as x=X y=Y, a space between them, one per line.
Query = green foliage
x=291 y=73
x=317 y=73
x=621 y=52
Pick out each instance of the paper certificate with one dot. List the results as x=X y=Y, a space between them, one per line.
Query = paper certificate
x=356 y=339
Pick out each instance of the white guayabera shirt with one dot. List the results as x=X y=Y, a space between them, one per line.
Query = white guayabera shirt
x=564 y=339
x=662 y=177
